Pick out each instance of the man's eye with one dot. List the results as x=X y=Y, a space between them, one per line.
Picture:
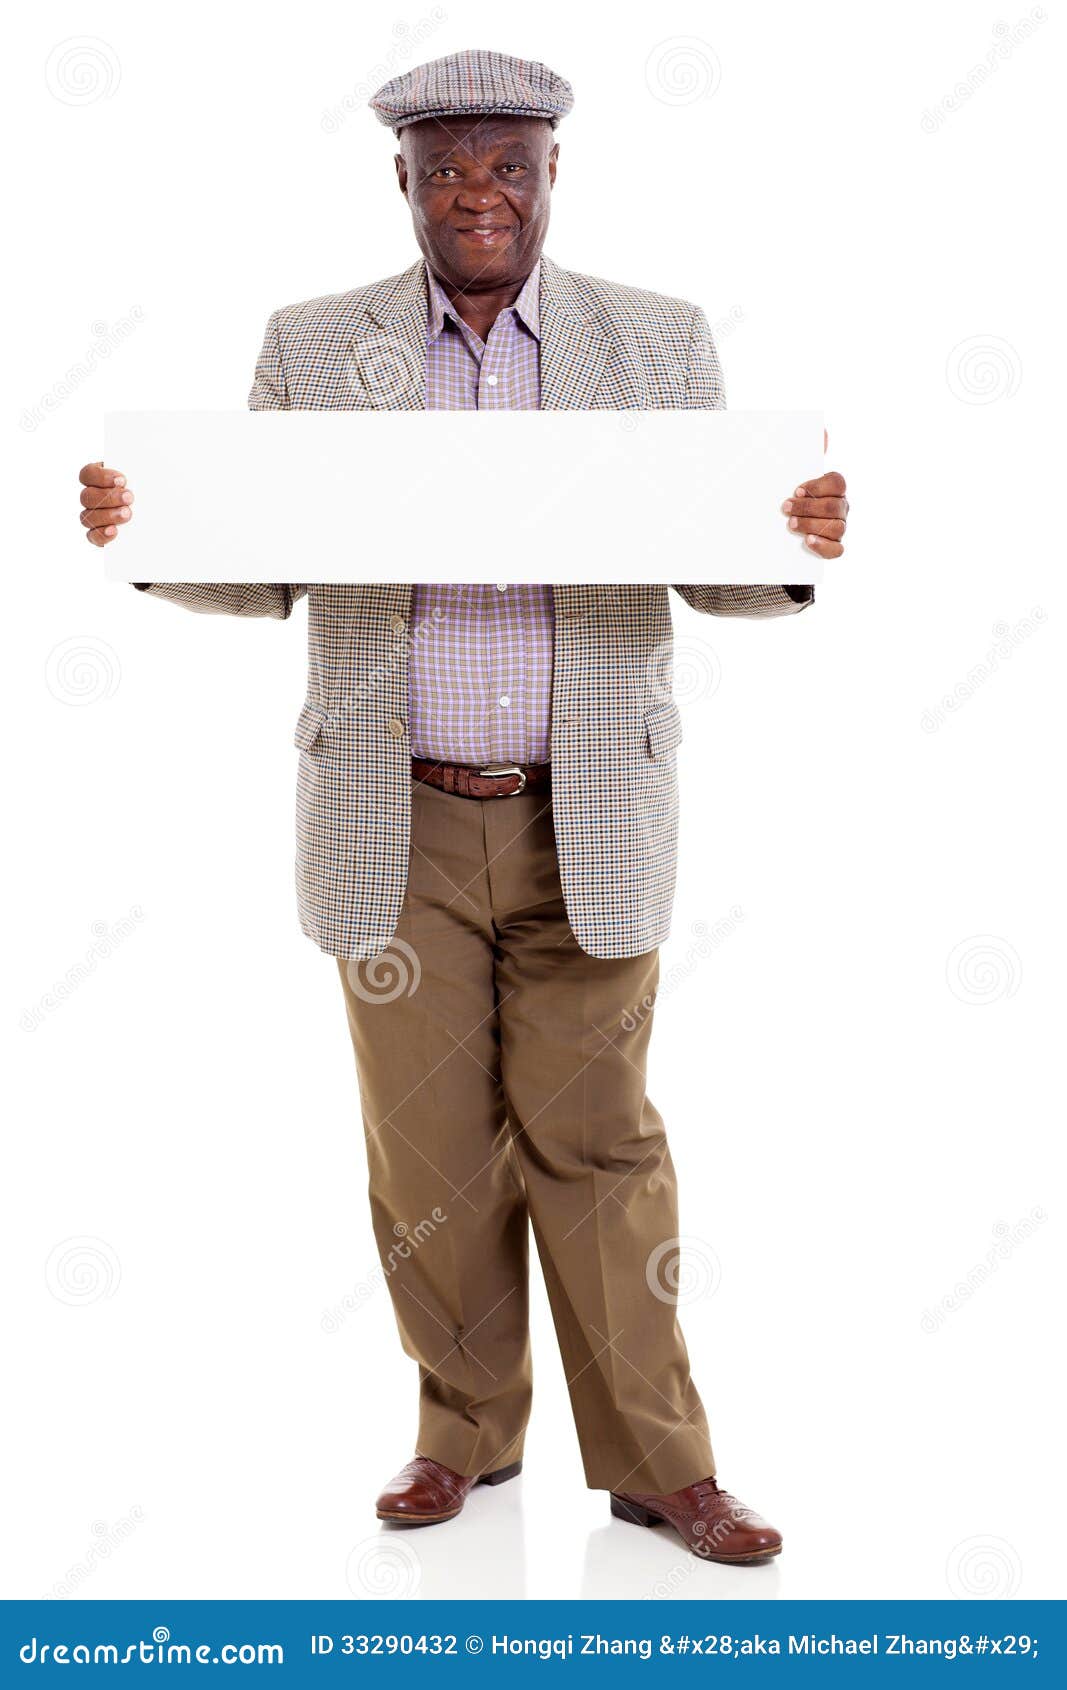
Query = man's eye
x=519 y=167
x=446 y=170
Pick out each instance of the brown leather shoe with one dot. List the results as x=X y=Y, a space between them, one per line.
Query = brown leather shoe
x=425 y=1492
x=709 y=1521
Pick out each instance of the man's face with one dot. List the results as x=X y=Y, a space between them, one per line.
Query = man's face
x=479 y=194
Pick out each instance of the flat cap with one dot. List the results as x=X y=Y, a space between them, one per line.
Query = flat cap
x=474 y=83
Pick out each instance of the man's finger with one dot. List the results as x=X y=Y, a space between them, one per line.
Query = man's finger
x=108 y=514
x=95 y=475
x=831 y=485
x=93 y=497
x=831 y=530
x=816 y=507
x=823 y=548
x=101 y=536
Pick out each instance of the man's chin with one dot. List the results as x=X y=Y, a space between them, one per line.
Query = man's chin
x=484 y=267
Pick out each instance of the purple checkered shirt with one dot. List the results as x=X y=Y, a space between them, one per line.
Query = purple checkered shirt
x=480 y=687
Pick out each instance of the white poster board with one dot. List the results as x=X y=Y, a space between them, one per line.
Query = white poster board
x=554 y=496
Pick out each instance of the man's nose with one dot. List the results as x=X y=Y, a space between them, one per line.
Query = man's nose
x=479 y=191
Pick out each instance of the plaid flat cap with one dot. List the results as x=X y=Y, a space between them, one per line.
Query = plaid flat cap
x=473 y=83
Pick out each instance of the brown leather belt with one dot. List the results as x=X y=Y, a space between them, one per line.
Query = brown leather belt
x=497 y=780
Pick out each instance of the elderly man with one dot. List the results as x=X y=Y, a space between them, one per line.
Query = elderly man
x=487 y=830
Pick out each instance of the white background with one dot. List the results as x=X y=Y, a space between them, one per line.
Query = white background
x=862 y=1081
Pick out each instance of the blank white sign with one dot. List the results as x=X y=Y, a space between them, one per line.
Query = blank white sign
x=477 y=496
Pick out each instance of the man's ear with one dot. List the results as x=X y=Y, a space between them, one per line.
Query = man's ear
x=401 y=173
x=552 y=157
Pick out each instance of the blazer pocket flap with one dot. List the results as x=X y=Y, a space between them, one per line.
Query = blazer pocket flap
x=663 y=725
x=309 y=725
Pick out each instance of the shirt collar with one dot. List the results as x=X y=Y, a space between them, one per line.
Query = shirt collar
x=527 y=306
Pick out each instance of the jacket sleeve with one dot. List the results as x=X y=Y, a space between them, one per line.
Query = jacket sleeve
x=705 y=392
x=258 y=599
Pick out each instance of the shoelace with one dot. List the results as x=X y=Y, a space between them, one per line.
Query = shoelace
x=705 y=1489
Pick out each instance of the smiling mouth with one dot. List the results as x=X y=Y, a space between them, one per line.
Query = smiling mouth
x=488 y=236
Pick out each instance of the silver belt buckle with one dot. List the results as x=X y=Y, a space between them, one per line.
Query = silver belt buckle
x=506 y=769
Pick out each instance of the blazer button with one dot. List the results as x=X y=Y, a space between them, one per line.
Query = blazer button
x=396 y=727
x=398 y=625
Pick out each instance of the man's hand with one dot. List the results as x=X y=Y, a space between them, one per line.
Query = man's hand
x=106 y=503
x=818 y=510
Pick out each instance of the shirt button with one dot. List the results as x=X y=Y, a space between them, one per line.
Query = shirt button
x=492 y=380
x=396 y=727
x=501 y=586
x=504 y=700
x=397 y=624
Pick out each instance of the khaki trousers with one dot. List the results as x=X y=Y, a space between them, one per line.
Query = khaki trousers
x=502 y=1077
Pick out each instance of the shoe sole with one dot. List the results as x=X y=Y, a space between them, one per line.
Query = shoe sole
x=637 y=1516
x=403 y=1517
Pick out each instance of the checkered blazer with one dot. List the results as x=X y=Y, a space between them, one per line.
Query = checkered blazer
x=615 y=725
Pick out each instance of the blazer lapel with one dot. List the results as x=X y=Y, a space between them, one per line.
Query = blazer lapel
x=584 y=366
x=389 y=356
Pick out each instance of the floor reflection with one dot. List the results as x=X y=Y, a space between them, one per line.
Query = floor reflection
x=481 y=1553
x=624 y=1563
